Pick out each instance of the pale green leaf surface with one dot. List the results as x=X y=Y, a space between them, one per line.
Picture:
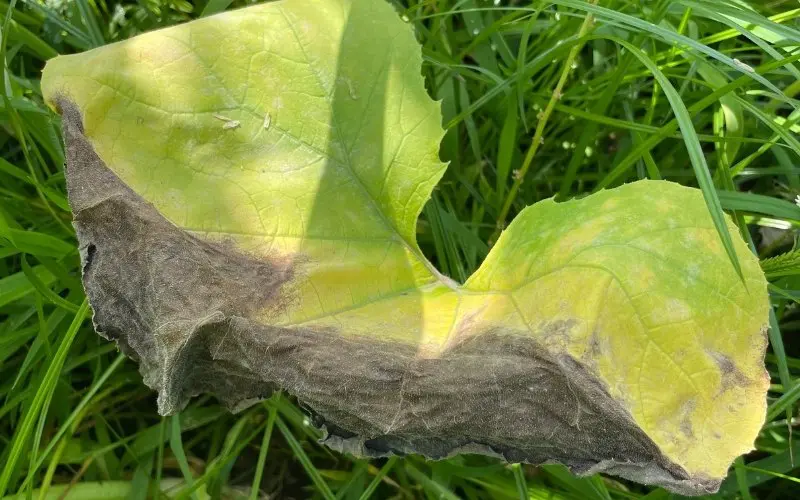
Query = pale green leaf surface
x=273 y=163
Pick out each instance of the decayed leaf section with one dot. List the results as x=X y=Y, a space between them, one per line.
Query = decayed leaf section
x=245 y=190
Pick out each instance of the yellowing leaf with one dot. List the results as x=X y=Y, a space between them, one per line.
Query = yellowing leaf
x=246 y=189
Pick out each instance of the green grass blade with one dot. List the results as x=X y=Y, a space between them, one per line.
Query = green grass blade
x=81 y=38
x=668 y=36
x=308 y=465
x=779 y=463
x=376 y=481
x=17 y=285
x=262 y=453
x=776 y=341
x=43 y=290
x=75 y=414
x=753 y=18
x=215 y=6
x=759 y=204
x=784 y=403
x=696 y=154
x=673 y=125
x=433 y=487
x=176 y=445
x=42 y=397
x=92 y=28
x=519 y=479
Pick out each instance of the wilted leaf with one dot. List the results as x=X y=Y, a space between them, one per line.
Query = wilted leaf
x=246 y=189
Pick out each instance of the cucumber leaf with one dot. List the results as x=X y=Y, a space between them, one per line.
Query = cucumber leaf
x=246 y=189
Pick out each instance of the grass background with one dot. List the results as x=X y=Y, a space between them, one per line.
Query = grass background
x=540 y=99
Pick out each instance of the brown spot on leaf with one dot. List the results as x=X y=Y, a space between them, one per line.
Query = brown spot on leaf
x=730 y=374
x=686 y=420
x=555 y=335
x=595 y=348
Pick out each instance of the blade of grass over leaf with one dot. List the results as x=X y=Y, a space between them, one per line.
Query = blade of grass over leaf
x=741 y=479
x=79 y=36
x=763 y=470
x=782 y=131
x=541 y=60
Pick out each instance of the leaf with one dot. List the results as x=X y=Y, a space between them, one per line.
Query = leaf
x=787 y=264
x=608 y=333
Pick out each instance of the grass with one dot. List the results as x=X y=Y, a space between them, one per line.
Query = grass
x=540 y=99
